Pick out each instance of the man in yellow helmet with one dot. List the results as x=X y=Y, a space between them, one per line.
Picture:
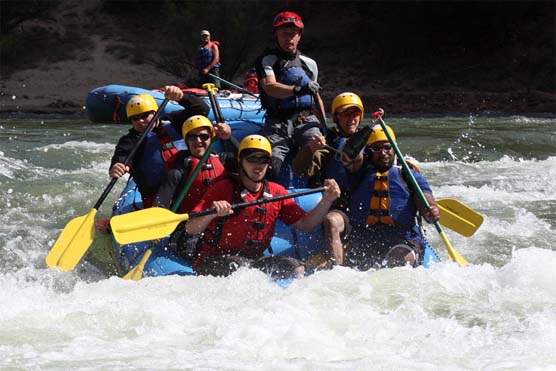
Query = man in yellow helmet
x=323 y=158
x=384 y=208
x=157 y=153
x=232 y=239
x=198 y=133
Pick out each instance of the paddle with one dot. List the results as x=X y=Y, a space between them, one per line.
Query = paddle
x=233 y=85
x=320 y=113
x=79 y=233
x=136 y=273
x=157 y=222
x=226 y=82
x=452 y=253
x=459 y=217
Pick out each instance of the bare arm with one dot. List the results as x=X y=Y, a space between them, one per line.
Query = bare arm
x=431 y=214
x=215 y=59
x=198 y=225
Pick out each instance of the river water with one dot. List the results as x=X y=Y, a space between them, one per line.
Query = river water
x=499 y=313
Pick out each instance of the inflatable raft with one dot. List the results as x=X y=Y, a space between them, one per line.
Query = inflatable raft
x=163 y=261
x=107 y=104
x=287 y=241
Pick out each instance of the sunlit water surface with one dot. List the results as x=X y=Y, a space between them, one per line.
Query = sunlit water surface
x=498 y=313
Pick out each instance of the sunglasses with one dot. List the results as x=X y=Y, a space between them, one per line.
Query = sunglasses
x=142 y=116
x=348 y=112
x=204 y=137
x=375 y=149
x=258 y=159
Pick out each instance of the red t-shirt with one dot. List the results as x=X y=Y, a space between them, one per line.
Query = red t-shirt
x=247 y=224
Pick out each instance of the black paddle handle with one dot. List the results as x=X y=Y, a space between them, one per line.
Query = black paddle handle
x=218 y=116
x=132 y=153
x=261 y=201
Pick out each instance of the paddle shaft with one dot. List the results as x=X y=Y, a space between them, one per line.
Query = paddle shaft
x=227 y=82
x=129 y=157
x=320 y=113
x=261 y=201
x=454 y=256
x=233 y=85
x=218 y=115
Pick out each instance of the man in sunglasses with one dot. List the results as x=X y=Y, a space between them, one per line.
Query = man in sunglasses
x=288 y=87
x=384 y=210
x=236 y=238
x=159 y=150
x=323 y=157
x=198 y=132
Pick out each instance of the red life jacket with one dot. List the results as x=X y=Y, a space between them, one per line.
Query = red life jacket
x=247 y=232
x=212 y=171
x=251 y=83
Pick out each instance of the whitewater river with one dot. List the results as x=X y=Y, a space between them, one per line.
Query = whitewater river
x=499 y=313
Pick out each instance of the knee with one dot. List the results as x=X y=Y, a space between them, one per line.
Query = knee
x=334 y=221
x=299 y=271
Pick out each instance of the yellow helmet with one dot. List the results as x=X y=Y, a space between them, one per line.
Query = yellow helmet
x=139 y=104
x=197 y=121
x=379 y=135
x=255 y=141
x=346 y=100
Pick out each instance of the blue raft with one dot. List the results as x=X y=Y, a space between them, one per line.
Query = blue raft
x=107 y=104
x=287 y=241
x=245 y=117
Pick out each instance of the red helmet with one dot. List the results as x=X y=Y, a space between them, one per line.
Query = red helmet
x=288 y=17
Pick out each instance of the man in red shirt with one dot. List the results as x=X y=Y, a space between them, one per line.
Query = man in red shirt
x=238 y=238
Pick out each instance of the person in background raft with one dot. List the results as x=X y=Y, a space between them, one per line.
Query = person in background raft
x=158 y=151
x=208 y=59
x=232 y=239
x=198 y=132
x=288 y=85
x=384 y=209
x=318 y=162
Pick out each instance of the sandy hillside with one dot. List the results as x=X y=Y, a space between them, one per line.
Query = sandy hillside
x=62 y=86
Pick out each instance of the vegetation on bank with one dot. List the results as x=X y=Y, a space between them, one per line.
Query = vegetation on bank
x=374 y=47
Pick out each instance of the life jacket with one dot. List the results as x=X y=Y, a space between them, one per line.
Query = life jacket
x=289 y=72
x=251 y=83
x=334 y=167
x=205 y=55
x=383 y=198
x=248 y=231
x=211 y=171
x=159 y=153
x=380 y=201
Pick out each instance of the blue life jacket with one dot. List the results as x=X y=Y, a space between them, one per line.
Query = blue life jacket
x=289 y=72
x=205 y=55
x=159 y=153
x=402 y=206
x=334 y=168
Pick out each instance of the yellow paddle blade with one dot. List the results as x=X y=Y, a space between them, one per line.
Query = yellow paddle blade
x=145 y=225
x=459 y=217
x=73 y=242
x=452 y=253
x=137 y=273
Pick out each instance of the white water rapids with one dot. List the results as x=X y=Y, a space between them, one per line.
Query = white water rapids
x=498 y=313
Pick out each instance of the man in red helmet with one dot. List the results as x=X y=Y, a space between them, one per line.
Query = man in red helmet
x=289 y=91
